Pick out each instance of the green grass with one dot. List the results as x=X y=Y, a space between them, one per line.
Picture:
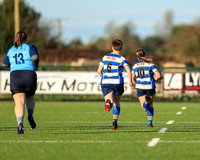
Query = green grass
x=82 y=130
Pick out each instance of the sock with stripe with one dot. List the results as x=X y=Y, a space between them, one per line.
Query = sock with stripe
x=116 y=112
x=150 y=114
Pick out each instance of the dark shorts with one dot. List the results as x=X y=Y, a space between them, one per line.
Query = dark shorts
x=142 y=92
x=23 y=81
x=118 y=89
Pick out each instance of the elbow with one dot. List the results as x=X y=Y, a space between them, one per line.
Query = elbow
x=5 y=66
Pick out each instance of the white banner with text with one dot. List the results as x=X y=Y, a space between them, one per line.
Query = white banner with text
x=63 y=82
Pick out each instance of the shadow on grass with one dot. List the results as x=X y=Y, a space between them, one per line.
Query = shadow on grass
x=94 y=129
x=102 y=129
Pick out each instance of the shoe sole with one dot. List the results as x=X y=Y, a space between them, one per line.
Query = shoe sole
x=107 y=106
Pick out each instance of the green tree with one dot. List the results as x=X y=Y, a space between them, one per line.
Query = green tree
x=125 y=32
x=184 y=43
x=38 y=35
x=7 y=25
x=75 y=44
x=154 y=45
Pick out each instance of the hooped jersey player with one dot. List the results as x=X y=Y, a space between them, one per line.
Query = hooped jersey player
x=144 y=75
x=113 y=67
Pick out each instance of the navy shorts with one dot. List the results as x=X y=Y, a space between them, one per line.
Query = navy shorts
x=142 y=92
x=118 y=89
x=23 y=81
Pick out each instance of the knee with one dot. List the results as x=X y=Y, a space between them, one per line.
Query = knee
x=20 y=102
x=144 y=109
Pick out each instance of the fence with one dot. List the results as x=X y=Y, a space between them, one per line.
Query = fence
x=67 y=82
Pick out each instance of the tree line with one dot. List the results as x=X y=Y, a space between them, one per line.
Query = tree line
x=179 y=41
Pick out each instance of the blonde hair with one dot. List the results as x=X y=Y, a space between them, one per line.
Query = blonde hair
x=21 y=37
x=141 y=55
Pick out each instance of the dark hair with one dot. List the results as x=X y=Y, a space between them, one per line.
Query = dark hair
x=141 y=55
x=117 y=44
x=21 y=37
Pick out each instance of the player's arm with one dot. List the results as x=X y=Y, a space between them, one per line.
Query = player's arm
x=133 y=78
x=158 y=75
x=6 y=62
x=100 y=69
x=34 y=56
x=157 y=72
x=129 y=75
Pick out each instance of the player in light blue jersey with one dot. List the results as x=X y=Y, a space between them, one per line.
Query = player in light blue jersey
x=142 y=76
x=23 y=59
x=110 y=69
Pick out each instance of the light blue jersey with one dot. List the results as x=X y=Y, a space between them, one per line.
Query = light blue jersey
x=144 y=75
x=19 y=58
x=113 y=67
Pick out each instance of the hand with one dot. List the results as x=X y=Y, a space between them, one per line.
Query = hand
x=131 y=85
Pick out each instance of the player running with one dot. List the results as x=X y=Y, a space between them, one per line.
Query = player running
x=142 y=76
x=23 y=61
x=112 y=83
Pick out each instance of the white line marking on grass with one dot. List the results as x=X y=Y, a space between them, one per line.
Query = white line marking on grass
x=153 y=142
x=73 y=141
x=179 y=113
x=162 y=130
x=170 y=122
x=189 y=122
x=183 y=108
x=179 y=141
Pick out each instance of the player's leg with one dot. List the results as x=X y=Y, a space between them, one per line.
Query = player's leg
x=150 y=112
x=30 y=105
x=30 y=85
x=143 y=102
x=146 y=101
x=147 y=108
x=144 y=98
x=118 y=92
x=19 y=99
x=116 y=110
x=108 y=101
x=107 y=91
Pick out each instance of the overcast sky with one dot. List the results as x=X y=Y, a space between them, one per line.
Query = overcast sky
x=88 y=18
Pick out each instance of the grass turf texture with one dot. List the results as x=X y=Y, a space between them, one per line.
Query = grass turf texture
x=82 y=130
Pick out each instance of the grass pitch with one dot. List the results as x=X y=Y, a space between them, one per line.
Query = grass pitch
x=82 y=130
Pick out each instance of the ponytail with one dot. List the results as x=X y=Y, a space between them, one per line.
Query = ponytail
x=21 y=37
x=141 y=56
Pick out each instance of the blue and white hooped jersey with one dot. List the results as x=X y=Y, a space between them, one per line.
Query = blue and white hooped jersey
x=19 y=58
x=144 y=75
x=113 y=64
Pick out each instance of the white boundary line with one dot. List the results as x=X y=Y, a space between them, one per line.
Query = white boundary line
x=72 y=141
x=163 y=130
x=179 y=113
x=184 y=108
x=179 y=141
x=170 y=122
x=153 y=142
